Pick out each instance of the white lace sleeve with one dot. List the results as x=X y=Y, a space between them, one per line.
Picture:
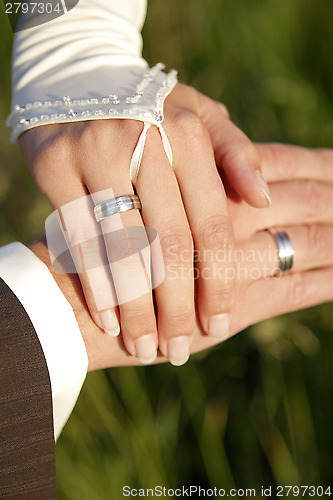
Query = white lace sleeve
x=86 y=65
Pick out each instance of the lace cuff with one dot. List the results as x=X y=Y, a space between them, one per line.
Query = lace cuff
x=136 y=93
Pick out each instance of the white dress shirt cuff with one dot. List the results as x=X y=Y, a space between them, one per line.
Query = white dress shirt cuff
x=55 y=324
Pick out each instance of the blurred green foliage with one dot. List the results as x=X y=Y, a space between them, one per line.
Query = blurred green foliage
x=258 y=409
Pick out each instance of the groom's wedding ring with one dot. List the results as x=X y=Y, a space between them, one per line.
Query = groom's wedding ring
x=285 y=249
x=116 y=205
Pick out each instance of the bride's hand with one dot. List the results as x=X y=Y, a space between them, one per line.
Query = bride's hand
x=301 y=182
x=185 y=204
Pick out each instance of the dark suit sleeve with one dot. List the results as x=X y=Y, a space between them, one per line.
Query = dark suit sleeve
x=27 y=449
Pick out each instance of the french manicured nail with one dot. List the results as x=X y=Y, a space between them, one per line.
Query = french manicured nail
x=110 y=322
x=146 y=349
x=178 y=350
x=263 y=186
x=219 y=326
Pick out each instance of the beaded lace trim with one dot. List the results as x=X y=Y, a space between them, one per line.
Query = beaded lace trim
x=29 y=115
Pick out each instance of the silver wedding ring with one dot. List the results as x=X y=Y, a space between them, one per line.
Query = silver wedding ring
x=285 y=249
x=116 y=205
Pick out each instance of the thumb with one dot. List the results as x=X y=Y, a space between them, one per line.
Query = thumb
x=234 y=153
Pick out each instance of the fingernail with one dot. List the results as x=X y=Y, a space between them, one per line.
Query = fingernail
x=146 y=349
x=219 y=326
x=110 y=322
x=263 y=186
x=178 y=350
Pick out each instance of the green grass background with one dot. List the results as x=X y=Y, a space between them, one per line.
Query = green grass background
x=257 y=410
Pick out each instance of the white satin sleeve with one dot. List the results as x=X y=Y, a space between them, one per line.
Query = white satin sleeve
x=84 y=65
x=55 y=324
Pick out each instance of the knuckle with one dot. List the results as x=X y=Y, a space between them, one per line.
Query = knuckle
x=92 y=134
x=117 y=243
x=216 y=233
x=244 y=153
x=320 y=241
x=181 y=322
x=50 y=160
x=250 y=152
x=284 y=162
x=222 y=297
x=190 y=127
x=298 y=291
x=127 y=242
x=315 y=198
x=176 y=243
x=139 y=322
x=86 y=236
x=326 y=159
x=85 y=250
x=104 y=134
x=189 y=92
x=224 y=110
